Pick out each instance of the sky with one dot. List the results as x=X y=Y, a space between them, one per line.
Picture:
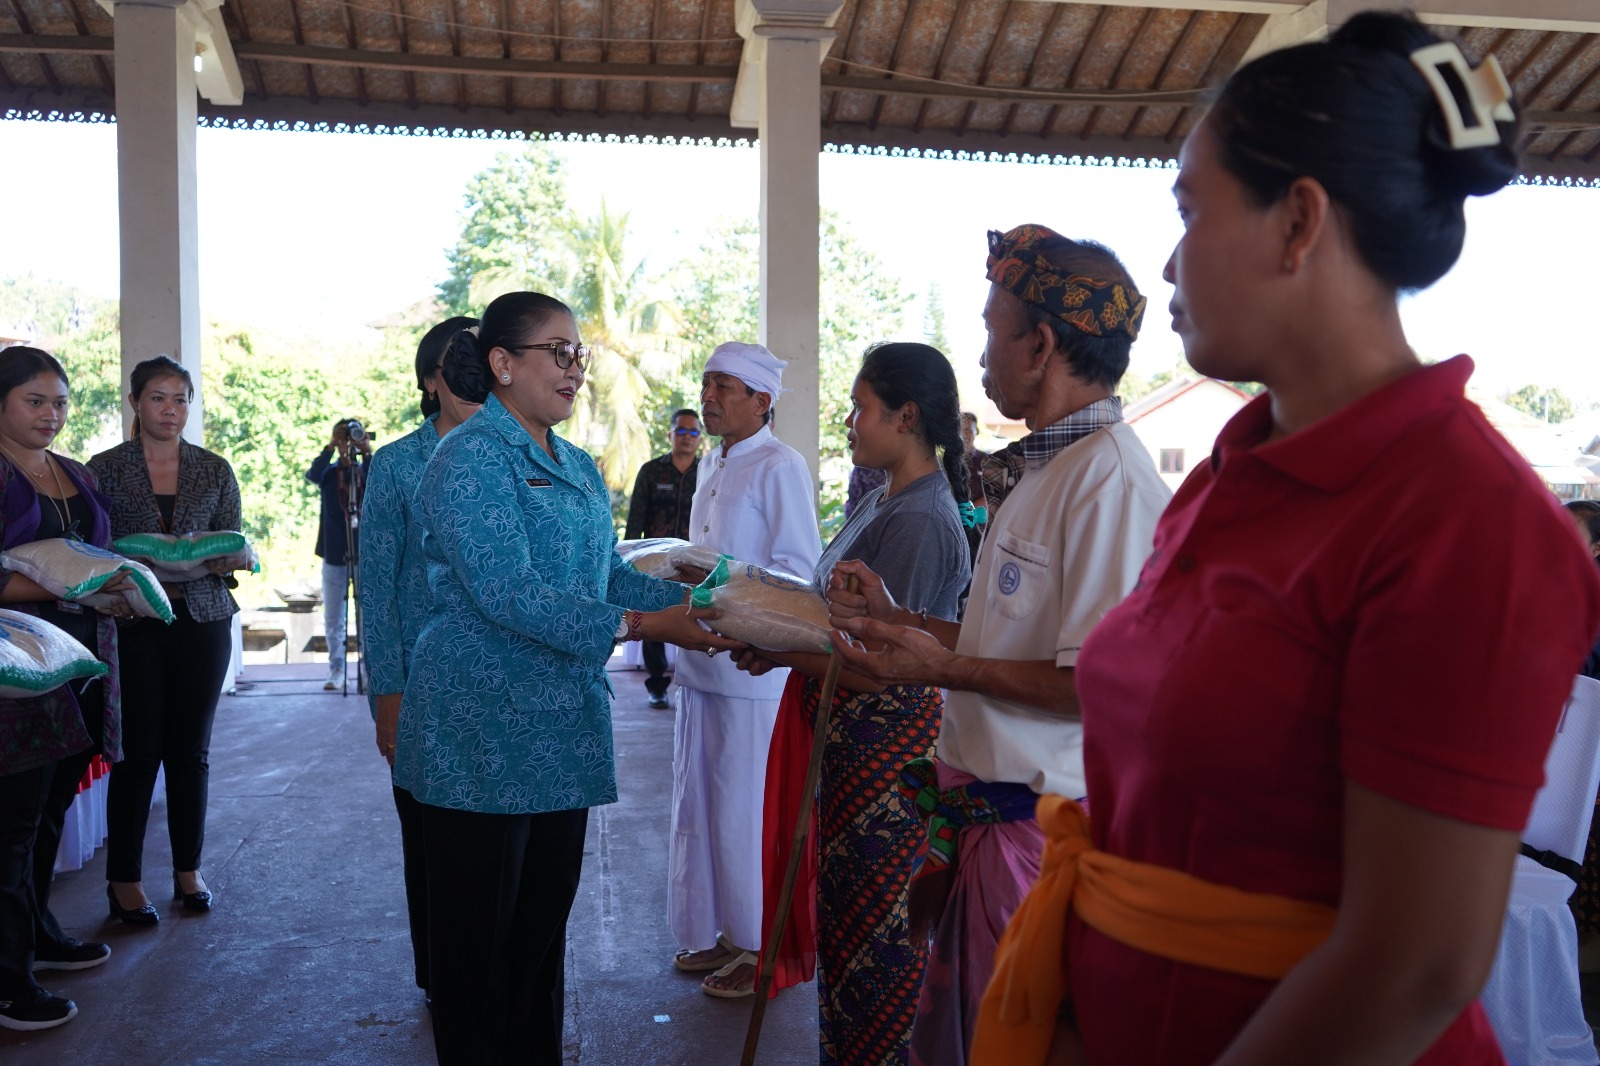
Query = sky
x=323 y=233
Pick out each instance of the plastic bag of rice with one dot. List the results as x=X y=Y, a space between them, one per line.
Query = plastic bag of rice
x=186 y=556
x=764 y=608
x=36 y=657
x=76 y=571
x=661 y=556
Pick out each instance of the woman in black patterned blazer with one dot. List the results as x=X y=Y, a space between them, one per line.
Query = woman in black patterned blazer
x=172 y=675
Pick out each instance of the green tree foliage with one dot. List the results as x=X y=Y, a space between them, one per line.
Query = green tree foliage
x=1135 y=387
x=519 y=234
x=516 y=232
x=933 y=331
x=861 y=305
x=630 y=320
x=82 y=332
x=716 y=291
x=268 y=414
x=1547 y=405
x=92 y=357
x=46 y=310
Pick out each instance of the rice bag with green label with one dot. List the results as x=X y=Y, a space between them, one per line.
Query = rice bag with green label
x=179 y=557
x=662 y=556
x=36 y=657
x=73 y=570
x=764 y=608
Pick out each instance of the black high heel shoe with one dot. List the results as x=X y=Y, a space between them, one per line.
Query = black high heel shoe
x=145 y=915
x=192 y=901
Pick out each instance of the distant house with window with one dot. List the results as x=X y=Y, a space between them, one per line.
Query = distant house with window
x=1565 y=456
x=1179 y=423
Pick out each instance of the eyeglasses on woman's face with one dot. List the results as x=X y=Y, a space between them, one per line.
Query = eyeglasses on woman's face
x=566 y=353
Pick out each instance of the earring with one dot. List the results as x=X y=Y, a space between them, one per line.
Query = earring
x=1288 y=266
x=505 y=378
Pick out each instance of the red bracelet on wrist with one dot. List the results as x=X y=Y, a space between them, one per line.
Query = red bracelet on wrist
x=635 y=625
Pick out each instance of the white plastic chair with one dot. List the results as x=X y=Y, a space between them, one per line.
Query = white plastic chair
x=1532 y=998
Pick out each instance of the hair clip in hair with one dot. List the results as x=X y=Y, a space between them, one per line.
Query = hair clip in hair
x=1485 y=90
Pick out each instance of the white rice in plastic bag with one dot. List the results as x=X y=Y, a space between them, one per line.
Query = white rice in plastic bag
x=73 y=570
x=36 y=657
x=764 y=608
x=661 y=556
x=180 y=557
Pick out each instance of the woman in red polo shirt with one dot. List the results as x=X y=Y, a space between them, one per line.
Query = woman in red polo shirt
x=1335 y=684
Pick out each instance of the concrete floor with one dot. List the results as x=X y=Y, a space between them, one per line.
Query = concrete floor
x=306 y=958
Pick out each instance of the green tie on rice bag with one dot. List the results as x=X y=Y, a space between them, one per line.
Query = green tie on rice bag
x=186 y=556
x=36 y=657
x=73 y=570
x=764 y=608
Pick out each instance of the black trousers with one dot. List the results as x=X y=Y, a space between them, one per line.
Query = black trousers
x=22 y=797
x=500 y=887
x=415 y=857
x=655 y=661
x=171 y=679
x=61 y=788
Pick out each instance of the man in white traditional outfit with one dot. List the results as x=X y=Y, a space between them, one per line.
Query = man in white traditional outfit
x=754 y=500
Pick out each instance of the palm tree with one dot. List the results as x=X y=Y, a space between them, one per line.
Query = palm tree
x=631 y=321
x=518 y=233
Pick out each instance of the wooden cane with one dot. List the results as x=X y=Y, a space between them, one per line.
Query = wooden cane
x=802 y=829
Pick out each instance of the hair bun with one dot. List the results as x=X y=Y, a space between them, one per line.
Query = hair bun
x=1452 y=173
x=1457 y=173
x=466 y=368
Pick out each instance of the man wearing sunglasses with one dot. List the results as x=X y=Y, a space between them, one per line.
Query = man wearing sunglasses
x=662 y=494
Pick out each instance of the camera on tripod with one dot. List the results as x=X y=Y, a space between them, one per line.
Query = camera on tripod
x=356 y=431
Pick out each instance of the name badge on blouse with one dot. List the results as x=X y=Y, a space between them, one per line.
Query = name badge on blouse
x=538 y=482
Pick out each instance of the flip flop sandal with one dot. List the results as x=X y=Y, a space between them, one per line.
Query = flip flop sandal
x=682 y=960
x=746 y=959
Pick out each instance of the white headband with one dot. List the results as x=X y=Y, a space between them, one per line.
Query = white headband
x=751 y=364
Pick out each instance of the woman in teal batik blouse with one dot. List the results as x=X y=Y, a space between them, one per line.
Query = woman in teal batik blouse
x=505 y=725
x=393 y=592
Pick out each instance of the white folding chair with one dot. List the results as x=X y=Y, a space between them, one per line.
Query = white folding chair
x=1532 y=998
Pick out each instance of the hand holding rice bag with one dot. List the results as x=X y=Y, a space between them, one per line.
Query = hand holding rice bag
x=764 y=608
x=187 y=556
x=663 y=556
x=36 y=657
x=73 y=570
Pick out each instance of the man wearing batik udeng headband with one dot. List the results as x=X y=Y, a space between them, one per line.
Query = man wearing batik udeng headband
x=1062 y=316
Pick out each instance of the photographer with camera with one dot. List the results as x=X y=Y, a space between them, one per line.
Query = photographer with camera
x=340 y=471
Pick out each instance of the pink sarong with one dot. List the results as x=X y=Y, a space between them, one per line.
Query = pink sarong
x=995 y=867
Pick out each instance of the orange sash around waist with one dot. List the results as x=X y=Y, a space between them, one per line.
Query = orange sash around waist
x=1156 y=909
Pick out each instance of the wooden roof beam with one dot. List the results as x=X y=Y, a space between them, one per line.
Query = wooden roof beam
x=1556 y=16
x=1313 y=21
x=315 y=55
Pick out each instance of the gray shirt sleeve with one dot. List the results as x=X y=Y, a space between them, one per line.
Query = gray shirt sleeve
x=912 y=540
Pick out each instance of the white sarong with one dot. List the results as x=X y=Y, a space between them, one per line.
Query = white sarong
x=719 y=762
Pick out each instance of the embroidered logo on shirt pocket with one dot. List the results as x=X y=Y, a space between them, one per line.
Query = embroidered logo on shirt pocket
x=1020 y=578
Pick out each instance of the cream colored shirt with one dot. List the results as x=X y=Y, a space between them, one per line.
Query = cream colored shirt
x=1065 y=549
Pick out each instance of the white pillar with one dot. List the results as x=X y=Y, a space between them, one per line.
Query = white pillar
x=157 y=113
x=780 y=80
x=791 y=139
